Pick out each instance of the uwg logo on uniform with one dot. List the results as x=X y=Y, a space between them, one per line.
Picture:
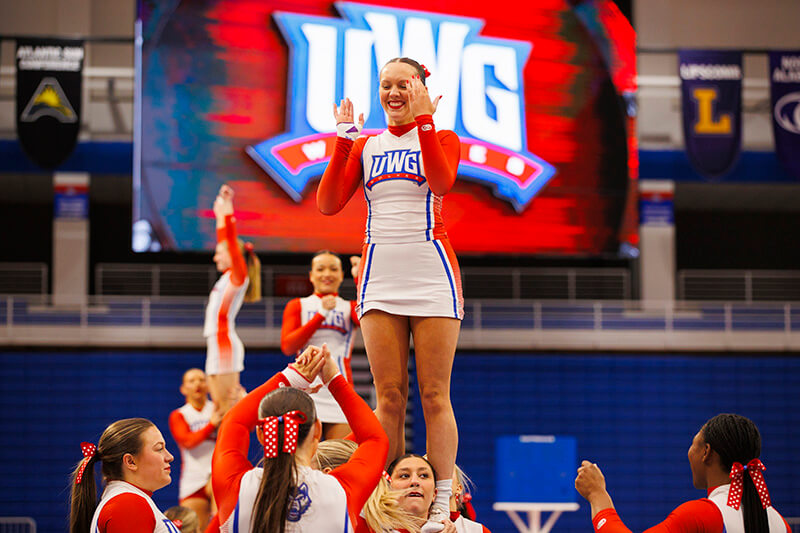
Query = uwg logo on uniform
x=395 y=165
x=480 y=78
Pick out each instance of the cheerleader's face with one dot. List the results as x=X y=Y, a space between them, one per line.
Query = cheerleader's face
x=414 y=474
x=150 y=468
x=326 y=274
x=222 y=257
x=394 y=94
x=194 y=386
x=697 y=454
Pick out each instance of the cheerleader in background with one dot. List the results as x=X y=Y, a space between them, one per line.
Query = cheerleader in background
x=323 y=318
x=194 y=428
x=240 y=282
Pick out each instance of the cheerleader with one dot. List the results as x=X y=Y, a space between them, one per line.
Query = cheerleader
x=323 y=318
x=240 y=282
x=135 y=463
x=409 y=280
x=285 y=494
x=724 y=461
x=194 y=428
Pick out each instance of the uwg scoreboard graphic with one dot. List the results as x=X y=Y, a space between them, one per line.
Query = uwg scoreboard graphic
x=336 y=58
x=242 y=93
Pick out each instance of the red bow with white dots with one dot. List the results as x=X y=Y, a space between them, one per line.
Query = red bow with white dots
x=89 y=450
x=755 y=467
x=387 y=477
x=291 y=421
x=178 y=523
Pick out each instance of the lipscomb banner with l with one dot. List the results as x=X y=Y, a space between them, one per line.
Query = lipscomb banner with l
x=784 y=75
x=242 y=93
x=711 y=95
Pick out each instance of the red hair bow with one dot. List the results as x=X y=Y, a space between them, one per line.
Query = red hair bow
x=249 y=247
x=291 y=423
x=89 y=450
x=426 y=71
x=178 y=523
x=755 y=467
x=387 y=477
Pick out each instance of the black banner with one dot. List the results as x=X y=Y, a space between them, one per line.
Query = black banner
x=711 y=94
x=784 y=75
x=49 y=73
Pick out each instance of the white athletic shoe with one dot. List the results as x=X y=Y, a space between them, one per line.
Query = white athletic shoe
x=435 y=520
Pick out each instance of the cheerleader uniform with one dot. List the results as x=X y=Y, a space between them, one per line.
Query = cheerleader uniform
x=323 y=502
x=306 y=322
x=195 y=435
x=408 y=267
x=225 y=351
x=125 y=508
x=707 y=515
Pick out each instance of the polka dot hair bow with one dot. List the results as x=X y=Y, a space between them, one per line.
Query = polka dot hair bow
x=178 y=523
x=754 y=467
x=426 y=71
x=89 y=450
x=291 y=423
x=387 y=477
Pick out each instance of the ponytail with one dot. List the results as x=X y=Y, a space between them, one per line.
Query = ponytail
x=253 y=293
x=736 y=439
x=83 y=497
x=120 y=438
x=278 y=489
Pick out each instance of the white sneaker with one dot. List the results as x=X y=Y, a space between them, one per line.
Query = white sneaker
x=436 y=520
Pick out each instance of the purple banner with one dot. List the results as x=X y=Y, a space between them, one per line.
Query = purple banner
x=784 y=75
x=711 y=93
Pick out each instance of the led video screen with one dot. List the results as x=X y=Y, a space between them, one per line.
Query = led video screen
x=241 y=92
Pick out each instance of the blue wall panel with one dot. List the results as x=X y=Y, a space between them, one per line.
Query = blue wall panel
x=634 y=415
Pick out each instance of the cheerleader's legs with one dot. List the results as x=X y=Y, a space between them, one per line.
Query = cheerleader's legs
x=223 y=389
x=435 y=340
x=386 y=339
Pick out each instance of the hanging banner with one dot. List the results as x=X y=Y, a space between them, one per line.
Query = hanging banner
x=784 y=75
x=711 y=94
x=49 y=73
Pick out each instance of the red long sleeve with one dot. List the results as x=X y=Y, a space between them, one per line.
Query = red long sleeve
x=183 y=434
x=353 y=313
x=361 y=473
x=341 y=177
x=230 y=462
x=126 y=513
x=440 y=152
x=696 y=516
x=294 y=335
x=238 y=264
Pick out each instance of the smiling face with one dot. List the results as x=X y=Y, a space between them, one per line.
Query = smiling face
x=150 y=469
x=415 y=475
x=326 y=273
x=393 y=93
x=222 y=257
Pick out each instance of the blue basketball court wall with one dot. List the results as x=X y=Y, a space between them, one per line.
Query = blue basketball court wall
x=634 y=415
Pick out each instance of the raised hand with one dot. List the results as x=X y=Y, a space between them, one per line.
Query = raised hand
x=309 y=363
x=330 y=369
x=223 y=203
x=419 y=101
x=328 y=301
x=345 y=126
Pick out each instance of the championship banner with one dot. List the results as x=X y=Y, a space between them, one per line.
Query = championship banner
x=49 y=73
x=711 y=94
x=784 y=75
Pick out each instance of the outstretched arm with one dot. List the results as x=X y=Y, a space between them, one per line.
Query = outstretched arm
x=226 y=232
x=183 y=434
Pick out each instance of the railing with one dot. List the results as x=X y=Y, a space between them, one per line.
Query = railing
x=17 y=524
x=513 y=283
x=744 y=285
x=23 y=278
x=488 y=324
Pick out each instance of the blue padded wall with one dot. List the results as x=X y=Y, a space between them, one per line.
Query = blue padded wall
x=634 y=415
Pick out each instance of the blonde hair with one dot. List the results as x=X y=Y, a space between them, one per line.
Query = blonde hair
x=188 y=518
x=253 y=293
x=382 y=511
